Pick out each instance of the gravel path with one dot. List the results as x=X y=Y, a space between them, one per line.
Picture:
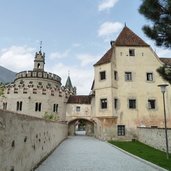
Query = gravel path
x=82 y=153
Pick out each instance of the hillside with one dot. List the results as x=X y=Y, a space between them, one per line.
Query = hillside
x=6 y=75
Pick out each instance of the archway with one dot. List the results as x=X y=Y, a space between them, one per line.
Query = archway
x=81 y=126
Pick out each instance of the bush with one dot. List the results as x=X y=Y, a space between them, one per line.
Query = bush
x=51 y=117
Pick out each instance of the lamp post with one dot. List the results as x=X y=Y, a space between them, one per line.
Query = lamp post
x=163 y=90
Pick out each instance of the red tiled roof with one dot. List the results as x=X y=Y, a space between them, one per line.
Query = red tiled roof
x=79 y=100
x=166 y=60
x=106 y=58
x=128 y=38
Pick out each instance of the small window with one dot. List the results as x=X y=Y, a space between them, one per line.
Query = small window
x=121 y=130
x=38 y=106
x=149 y=76
x=116 y=103
x=132 y=104
x=151 y=104
x=115 y=75
x=78 y=108
x=103 y=103
x=19 y=106
x=55 y=107
x=102 y=75
x=38 y=66
x=128 y=76
x=131 y=52
x=5 y=106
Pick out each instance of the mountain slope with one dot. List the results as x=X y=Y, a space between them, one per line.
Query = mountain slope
x=6 y=75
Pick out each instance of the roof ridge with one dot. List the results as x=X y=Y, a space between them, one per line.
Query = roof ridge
x=128 y=38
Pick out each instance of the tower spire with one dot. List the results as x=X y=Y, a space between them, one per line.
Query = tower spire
x=40 y=46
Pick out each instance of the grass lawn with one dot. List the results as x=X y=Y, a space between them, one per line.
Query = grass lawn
x=146 y=152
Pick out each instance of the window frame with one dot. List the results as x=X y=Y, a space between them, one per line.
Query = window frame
x=116 y=75
x=38 y=107
x=134 y=103
x=128 y=76
x=121 y=131
x=131 y=52
x=78 y=108
x=102 y=75
x=149 y=76
x=151 y=104
x=116 y=103
x=103 y=103
x=55 y=108
x=19 y=106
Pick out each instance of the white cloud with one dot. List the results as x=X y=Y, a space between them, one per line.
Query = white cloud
x=87 y=59
x=107 y=4
x=17 y=58
x=81 y=77
x=108 y=28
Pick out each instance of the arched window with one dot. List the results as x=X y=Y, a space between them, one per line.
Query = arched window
x=38 y=65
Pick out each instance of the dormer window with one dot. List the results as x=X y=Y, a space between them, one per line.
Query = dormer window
x=131 y=52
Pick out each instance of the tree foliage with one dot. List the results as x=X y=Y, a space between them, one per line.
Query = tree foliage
x=165 y=73
x=159 y=13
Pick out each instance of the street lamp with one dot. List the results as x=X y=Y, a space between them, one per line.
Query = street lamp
x=163 y=90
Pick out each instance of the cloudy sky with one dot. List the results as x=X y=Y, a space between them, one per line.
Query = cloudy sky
x=75 y=34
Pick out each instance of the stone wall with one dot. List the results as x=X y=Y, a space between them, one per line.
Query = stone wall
x=25 y=140
x=154 y=137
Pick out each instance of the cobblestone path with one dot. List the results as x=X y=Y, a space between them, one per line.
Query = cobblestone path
x=81 y=153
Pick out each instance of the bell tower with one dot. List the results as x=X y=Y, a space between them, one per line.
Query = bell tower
x=39 y=60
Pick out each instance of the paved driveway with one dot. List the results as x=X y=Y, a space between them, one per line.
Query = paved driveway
x=81 y=153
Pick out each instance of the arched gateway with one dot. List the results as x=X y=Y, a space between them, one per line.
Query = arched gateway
x=81 y=126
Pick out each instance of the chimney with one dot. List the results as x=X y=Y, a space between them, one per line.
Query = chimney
x=112 y=43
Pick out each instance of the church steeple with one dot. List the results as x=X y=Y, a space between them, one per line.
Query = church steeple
x=39 y=60
x=68 y=84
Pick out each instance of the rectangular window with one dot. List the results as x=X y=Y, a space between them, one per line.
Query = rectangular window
x=102 y=75
x=116 y=103
x=103 y=103
x=38 y=106
x=115 y=75
x=121 y=130
x=5 y=106
x=151 y=104
x=128 y=76
x=132 y=103
x=78 y=108
x=19 y=105
x=131 y=52
x=55 y=107
x=149 y=76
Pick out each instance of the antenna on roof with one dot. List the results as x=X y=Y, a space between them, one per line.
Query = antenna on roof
x=40 y=46
x=125 y=24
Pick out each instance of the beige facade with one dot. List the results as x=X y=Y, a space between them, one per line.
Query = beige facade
x=125 y=93
x=126 y=86
x=37 y=92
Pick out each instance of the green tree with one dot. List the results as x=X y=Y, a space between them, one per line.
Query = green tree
x=159 y=13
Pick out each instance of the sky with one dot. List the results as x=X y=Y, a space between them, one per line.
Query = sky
x=75 y=34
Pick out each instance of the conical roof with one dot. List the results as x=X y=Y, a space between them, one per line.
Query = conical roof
x=128 y=38
x=68 y=84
